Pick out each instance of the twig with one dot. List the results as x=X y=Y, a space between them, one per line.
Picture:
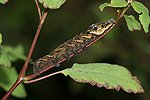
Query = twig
x=29 y=77
x=23 y=71
x=122 y=13
x=38 y=8
x=41 y=78
x=12 y=89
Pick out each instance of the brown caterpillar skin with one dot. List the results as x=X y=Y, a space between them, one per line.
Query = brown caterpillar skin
x=72 y=46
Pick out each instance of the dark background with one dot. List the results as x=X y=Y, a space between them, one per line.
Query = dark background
x=18 y=23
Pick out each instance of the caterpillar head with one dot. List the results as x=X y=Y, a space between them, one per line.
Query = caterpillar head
x=99 y=29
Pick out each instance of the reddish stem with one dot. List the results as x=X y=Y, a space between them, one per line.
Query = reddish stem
x=22 y=73
x=38 y=8
x=12 y=89
x=41 y=78
x=25 y=66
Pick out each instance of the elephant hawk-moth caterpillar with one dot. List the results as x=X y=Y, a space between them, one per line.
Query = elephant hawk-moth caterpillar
x=73 y=46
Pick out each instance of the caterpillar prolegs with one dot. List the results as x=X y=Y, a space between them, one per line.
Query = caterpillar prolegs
x=73 y=46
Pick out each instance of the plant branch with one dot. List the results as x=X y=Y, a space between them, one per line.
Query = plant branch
x=23 y=71
x=12 y=89
x=41 y=78
x=29 y=77
x=121 y=13
x=38 y=8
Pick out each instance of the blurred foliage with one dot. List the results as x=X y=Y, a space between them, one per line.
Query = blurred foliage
x=8 y=77
x=9 y=54
x=4 y=60
x=8 y=74
x=0 y=38
x=19 y=20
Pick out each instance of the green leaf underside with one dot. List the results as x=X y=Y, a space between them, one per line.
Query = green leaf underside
x=132 y=23
x=105 y=75
x=139 y=7
x=118 y=3
x=7 y=79
x=114 y=3
x=0 y=38
x=15 y=53
x=102 y=6
x=10 y=54
x=4 y=60
x=145 y=21
x=52 y=4
x=144 y=14
x=3 y=1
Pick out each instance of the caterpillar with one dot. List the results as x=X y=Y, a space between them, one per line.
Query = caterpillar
x=73 y=46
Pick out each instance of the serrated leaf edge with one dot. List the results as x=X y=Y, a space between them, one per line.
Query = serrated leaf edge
x=106 y=85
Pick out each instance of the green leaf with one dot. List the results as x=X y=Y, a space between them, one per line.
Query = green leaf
x=139 y=7
x=102 y=6
x=10 y=54
x=145 y=21
x=144 y=14
x=0 y=38
x=4 y=60
x=132 y=23
x=52 y=4
x=3 y=1
x=114 y=3
x=105 y=75
x=7 y=78
x=15 y=53
x=118 y=3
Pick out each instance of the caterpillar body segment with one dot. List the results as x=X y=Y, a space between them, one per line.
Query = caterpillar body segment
x=73 y=46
